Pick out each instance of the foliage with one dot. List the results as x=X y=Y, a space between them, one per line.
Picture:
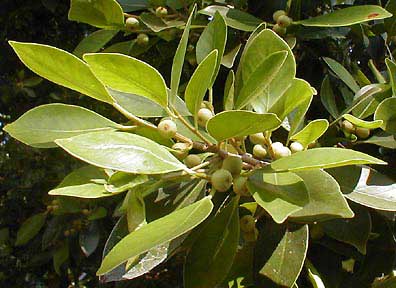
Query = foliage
x=322 y=197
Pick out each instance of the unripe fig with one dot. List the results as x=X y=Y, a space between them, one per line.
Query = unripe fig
x=192 y=160
x=86 y=212
x=221 y=180
x=257 y=138
x=239 y=186
x=204 y=114
x=161 y=11
x=132 y=23
x=284 y=21
x=233 y=164
x=277 y=14
x=167 y=128
x=362 y=133
x=281 y=31
x=142 y=39
x=247 y=223
x=180 y=150
x=259 y=151
x=296 y=147
x=280 y=152
x=251 y=236
x=348 y=126
x=277 y=146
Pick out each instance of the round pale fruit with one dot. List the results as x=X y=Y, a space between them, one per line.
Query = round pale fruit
x=277 y=14
x=204 y=114
x=259 y=151
x=132 y=23
x=296 y=147
x=192 y=160
x=348 y=126
x=167 y=128
x=362 y=133
x=161 y=11
x=221 y=180
x=284 y=21
x=180 y=150
x=281 y=152
x=239 y=186
x=233 y=164
x=257 y=138
x=281 y=31
x=142 y=39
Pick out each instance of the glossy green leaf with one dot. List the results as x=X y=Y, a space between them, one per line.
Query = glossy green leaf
x=42 y=125
x=310 y=133
x=121 y=181
x=386 y=112
x=214 y=37
x=342 y=73
x=323 y=158
x=230 y=124
x=229 y=57
x=94 y=42
x=99 y=13
x=178 y=59
x=122 y=152
x=199 y=83
x=158 y=24
x=328 y=98
x=325 y=198
x=368 y=98
x=280 y=254
x=89 y=238
x=211 y=256
x=382 y=139
x=297 y=117
x=392 y=74
x=30 y=227
x=280 y=194
x=233 y=17
x=355 y=231
x=366 y=186
x=261 y=78
x=362 y=123
x=229 y=91
x=143 y=107
x=155 y=233
x=130 y=75
x=61 y=68
x=135 y=5
x=84 y=182
x=298 y=92
x=348 y=16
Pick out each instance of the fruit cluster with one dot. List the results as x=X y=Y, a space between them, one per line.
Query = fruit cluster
x=282 y=22
x=350 y=129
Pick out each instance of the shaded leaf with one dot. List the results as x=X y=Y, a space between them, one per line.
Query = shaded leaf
x=328 y=98
x=158 y=24
x=89 y=239
x=30 y=227
x=342 y=73
x=310 y=133
x=94 y=42
x=386 y=112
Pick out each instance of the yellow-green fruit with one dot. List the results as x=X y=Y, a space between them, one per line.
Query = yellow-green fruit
x=348 y=126
x=86 y=212
x=296 y=147
x=284 y=21
x=167 y=128
x=180 y=150
x=247 y=223
x=259 y=151
x=257 y=138
x=221 y=180
x=233 y=164
x=204 y=115
x=239 y=186
x=132 y=23
x=192 y=160
x=161 y=11
x=277 y=14
x=251 y=236
x=279 y=30
x=362 y=133
x=142 y=39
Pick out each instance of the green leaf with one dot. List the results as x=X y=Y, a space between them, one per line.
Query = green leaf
x=230 y=124
x=390 y=23
x=348 y=16
x=382 y=139
x=386 y=112
x=155 y=233
x=323 y=158
x=30 y=227
x=42 y=125
x=297 y=116
x=60 y=256
x=310 y=133
x=392 y=74
x=361 y=123
x=158 y=24
x=229 y=57
x=183 y=130
x=121 y=181
x=342 y=73
x=99 y=13
x=212 y=254
x=229 y=89
x=178 y=59
x=122 y=152
x=233 y=17
x=83 y=183
x=355 y=231
x=328 y=98
x=298 y=92
x=368 y=98
x=280 y=254
x=199 y=83
x=135 y=5
x=325 y=198
x=61 y=68
x=144 y=107
x=130 y=75
x=280 y=194
x=366 y=186
x=214 y=37
x=94 y=42
x=89 y=238
x=261 y=78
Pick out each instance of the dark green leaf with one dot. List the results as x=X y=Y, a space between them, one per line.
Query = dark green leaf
x=386 y=113
x=94 y=42
x=342 y=73
x=89 y=239
x=30 y=228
